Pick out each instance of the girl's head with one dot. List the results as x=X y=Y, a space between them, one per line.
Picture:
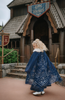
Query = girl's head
x=39 y=44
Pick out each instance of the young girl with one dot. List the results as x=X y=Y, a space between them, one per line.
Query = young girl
x=40 y=70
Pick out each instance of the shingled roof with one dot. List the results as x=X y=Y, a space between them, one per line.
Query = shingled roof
x=16 y=24
x=55 y=17
x=63 y=12
x=58 y=15
x=12 y=26
x=19 y=2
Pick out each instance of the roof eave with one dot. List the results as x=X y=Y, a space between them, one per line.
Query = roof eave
x=17 y=5
x=10 y=3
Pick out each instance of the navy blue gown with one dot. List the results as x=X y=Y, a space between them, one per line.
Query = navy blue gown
x=41 y=72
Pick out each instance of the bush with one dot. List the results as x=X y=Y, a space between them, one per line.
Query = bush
x=11 y=58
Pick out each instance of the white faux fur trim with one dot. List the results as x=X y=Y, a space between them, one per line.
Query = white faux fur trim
x=37 y=50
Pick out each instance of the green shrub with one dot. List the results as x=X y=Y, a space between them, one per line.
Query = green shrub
x=11 y=58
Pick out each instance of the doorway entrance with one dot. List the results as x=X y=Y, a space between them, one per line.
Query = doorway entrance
x=41 y=31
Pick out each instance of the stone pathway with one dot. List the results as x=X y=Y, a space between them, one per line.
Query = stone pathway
x=16 y=89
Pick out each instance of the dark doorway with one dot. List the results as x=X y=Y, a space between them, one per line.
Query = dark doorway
x=41 y=31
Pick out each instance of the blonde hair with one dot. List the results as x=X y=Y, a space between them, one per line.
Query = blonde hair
x=40 y=45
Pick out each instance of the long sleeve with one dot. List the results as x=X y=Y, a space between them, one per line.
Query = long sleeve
x=32 y=62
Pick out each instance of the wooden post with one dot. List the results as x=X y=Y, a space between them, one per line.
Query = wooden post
x=61 y=45
x=17 y=58
x=1 y=67
x=2 y=48
x=58 y=57
x=3 y=43
x=32 y=38
x=55 y=62
x=22 y=43
x=50 y=39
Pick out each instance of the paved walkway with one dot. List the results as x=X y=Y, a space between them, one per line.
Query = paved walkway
x=16 y=89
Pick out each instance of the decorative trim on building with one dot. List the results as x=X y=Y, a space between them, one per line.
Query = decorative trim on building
x=52 y=24
x=59 y=12
x=38 y=9
x=26 y=24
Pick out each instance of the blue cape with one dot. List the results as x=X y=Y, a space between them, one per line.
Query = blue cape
x=40 y=71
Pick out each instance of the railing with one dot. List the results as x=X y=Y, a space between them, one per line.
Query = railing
x=8 y=54
x=57 y=55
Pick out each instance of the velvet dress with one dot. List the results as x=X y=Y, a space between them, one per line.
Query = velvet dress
x=41 y=72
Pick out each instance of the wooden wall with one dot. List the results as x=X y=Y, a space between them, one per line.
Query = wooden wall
x=19 y=10
x=61 y=3
x=54 y=47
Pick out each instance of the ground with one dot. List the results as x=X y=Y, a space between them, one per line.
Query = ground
x=16 y=89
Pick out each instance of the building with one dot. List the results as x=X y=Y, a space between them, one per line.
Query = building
x=24 y=27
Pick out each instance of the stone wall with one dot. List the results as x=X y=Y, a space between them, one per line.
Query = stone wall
x=7 y=67
x=61 y=68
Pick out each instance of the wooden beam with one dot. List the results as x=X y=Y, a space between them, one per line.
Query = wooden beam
x=52 y=24
x=27 y=24
x=32 y=38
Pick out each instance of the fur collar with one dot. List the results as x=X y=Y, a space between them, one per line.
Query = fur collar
x=37 y=50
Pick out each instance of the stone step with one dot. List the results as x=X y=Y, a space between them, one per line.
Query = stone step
x=21 y=67
x=17 y=75
x=18 y=70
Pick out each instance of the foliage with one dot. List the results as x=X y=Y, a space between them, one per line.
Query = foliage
x=11 y=58
x=0 y=27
